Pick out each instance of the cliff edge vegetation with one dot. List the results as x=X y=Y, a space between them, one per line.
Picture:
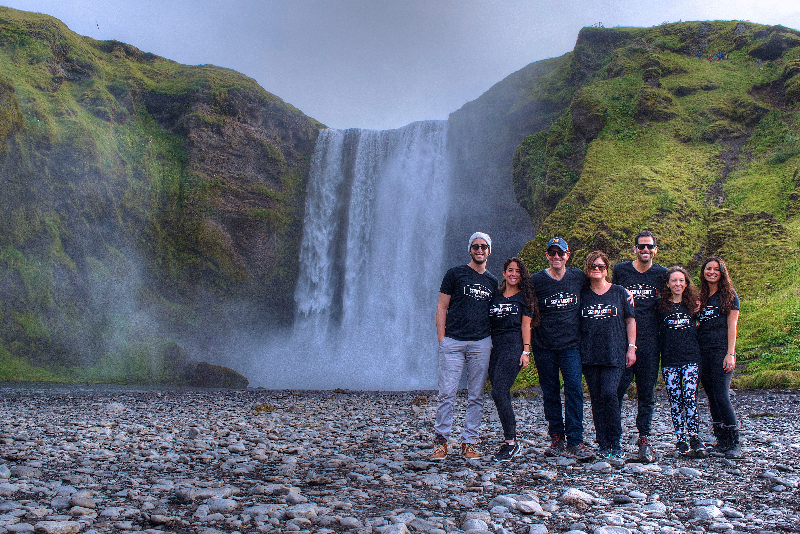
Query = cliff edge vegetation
x=689 y=130
x=145 y=205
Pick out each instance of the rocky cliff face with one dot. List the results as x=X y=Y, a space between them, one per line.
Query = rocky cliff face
x=144 y=202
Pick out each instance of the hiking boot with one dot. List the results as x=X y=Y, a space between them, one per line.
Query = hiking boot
x=469 y=452
x=439 y=450
x=721 y=445
x=734 y=450
x=506 y=452
x=682 y=446
x=617 y=457
x=645 y=455
x=603 y=453
x=580 y=452
x=698 y=448
x=557 y=445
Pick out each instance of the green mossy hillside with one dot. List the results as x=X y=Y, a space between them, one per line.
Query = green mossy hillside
x=704 y=153
x=144 y=203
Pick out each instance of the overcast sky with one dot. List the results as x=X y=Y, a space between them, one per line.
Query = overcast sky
x=377 y=63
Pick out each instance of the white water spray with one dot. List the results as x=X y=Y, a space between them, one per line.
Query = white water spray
x=370 y=262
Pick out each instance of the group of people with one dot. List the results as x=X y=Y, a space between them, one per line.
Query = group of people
x=582 y=324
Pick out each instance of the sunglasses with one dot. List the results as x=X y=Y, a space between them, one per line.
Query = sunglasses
x=478 y=246
x=642 y=246
x=598 y=267
x=556 y=252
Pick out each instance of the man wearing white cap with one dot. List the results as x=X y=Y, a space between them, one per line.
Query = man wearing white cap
x=462 y=326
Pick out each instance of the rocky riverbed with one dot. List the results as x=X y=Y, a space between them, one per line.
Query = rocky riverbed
x=113 y=460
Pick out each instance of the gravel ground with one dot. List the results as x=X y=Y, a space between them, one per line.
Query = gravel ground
x=82 y=459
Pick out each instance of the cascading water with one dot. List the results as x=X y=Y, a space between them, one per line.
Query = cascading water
x=371 y=260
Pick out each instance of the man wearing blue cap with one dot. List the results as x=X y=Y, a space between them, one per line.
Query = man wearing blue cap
x=462 y=326
x=555 y=345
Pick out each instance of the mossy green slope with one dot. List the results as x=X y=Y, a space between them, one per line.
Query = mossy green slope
x=703 y=153
x=144 y=202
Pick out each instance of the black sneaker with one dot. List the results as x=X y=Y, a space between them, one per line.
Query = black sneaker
x=506 y=452
x=645 y=450
x=699 y=450
x=682 y=447
x=616 y=458
x=557 y=446
x=580 y=452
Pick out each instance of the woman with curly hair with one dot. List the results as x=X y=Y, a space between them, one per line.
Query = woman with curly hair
x=680 y=358
x=512 y=314
x=608 y=346
x=716 y=334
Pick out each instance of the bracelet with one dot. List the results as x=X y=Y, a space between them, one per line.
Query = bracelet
x=526 y=353
x=632 y=345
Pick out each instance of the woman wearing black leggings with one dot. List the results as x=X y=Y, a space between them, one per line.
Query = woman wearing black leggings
x=513 y=312
x=718 y=317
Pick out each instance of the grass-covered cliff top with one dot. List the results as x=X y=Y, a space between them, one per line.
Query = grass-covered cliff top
x=141 y=198
x=704 y=153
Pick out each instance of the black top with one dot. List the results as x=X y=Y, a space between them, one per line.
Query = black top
x=559 y=309
x=712 y=333
x=505 y=314
x=645 y=289
x=604 y=337
x=471 y=294
x=678 y=336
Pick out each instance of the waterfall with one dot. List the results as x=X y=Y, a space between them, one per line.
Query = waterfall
x=371 y=259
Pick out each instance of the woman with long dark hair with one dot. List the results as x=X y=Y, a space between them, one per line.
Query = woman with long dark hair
x=512 y=314
x=718 y=318
x=680 y=358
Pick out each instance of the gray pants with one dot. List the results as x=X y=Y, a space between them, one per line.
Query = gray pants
x=454 y=356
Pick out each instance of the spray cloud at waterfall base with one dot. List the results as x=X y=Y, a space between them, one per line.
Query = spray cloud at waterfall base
x=371 y=261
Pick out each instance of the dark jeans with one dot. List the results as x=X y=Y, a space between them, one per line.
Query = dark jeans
x=717 y=383
x=602 y=381
x=645 y=371
x=503 y=370
x=548 y=365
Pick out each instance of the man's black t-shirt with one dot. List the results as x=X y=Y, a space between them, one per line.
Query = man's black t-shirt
x=471 y=294
x=604 y=336
x=645 y=288
x=559 y=309
x=712 y=333
x=505 y=314
x=678 y=336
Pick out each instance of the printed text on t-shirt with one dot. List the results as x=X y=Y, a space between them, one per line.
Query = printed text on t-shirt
x=643 y=291
x=478 y=292
x=599 y=311
x=503 y=310
x=708 y=312
x=678 y=320
x=561 y=300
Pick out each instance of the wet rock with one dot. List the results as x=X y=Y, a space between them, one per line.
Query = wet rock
x=57 y=527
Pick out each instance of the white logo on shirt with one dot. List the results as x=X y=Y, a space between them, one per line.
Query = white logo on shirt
x=599 y=311
x=708 y=312
x=643 y=291
x=678 y=321
x=561 y=300
x=503 y=310
x=478 y=292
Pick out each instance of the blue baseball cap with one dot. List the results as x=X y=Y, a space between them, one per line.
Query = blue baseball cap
x=558 y=242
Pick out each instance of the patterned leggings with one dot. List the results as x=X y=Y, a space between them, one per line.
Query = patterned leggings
x=681 y=385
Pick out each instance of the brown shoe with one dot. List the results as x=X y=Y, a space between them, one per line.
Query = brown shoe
x=469 y=452
x=439 y=451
